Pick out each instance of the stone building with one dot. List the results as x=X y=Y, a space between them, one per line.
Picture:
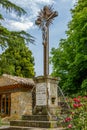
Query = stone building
x=15 y=96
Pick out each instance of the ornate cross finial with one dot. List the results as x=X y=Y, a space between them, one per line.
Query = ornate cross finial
x=44 y=19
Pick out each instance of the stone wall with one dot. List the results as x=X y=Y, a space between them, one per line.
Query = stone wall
x=21 y=103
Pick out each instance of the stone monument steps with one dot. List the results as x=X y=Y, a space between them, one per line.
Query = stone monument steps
x=38 y=118
x=39 y=124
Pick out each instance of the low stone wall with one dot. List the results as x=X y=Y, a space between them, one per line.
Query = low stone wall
x=21 y=103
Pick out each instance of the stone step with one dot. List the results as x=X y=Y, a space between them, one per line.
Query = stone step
x=38 y=117
x=39 y=124
x=16 y=128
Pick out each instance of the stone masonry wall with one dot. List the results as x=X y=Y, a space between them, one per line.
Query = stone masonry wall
x=21 y=104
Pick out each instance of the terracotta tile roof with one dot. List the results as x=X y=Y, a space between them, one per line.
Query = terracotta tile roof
x=6 y=80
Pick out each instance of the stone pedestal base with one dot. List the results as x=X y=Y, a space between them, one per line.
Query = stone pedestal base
x=46 y=95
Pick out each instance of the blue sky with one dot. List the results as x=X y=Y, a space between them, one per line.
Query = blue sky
x=27 y=23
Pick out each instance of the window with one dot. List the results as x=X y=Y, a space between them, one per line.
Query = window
x=5 y=103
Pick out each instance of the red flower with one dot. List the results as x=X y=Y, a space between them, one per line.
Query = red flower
x=79 y=105
x=76 y=100
x=70 y=126
x=67 y=119
x=79 y=96
x=75 y=105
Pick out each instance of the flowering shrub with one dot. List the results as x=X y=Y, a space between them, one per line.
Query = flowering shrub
x=77 y=118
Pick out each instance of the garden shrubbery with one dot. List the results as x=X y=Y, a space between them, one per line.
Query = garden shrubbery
x=77 y=117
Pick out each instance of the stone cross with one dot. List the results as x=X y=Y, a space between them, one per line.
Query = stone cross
x=44 y=19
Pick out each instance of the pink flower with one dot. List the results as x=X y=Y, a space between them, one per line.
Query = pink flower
x=70 y=126
x=85 y=96
x=79 y=96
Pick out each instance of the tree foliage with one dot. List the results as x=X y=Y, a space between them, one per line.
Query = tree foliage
x=70 y=58
x=9 y=6
x=17 y=60
x=5 y=34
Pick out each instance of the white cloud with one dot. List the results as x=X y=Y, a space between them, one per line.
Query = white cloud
x=44 y=1
x=23 y=24
x=73 y=1
x=20 y=25
x=32 y=7
x=26 y=4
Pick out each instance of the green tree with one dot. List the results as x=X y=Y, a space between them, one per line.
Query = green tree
x=17 y=60
x=5 y=34
x=70 y=58
x=9 y=6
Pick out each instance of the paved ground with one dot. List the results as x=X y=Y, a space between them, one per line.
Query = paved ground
x=1 y=127
x=31 y=128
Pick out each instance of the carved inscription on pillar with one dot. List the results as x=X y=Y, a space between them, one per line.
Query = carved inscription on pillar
x=41 y=96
